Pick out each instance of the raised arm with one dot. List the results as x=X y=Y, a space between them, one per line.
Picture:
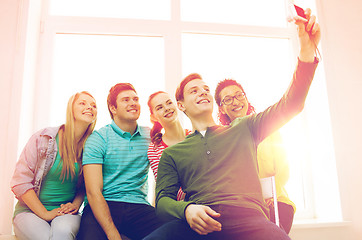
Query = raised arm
x=309 y=36
x=292 y=102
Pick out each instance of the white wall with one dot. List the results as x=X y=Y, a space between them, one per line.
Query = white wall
x=12 y=43
x=342 y=48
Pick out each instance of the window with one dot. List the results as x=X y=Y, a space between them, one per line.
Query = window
x=94 y=44
x=258 y=13
x=137 y=9
x=81 y=65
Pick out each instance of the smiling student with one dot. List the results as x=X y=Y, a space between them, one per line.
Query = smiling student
x=48 y=180
x=233 y=103
x=216 y=166
x=163 y=115
x=115 y=173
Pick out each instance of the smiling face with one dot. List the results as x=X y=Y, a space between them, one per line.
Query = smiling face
x=197 y=99
x=85 y=109
x=237 y=108
x=128 y=107
x=163 y=109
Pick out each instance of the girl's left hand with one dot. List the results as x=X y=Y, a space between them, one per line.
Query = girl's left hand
x=68 y=208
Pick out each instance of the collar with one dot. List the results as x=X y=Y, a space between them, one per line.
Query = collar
x=119 y=131
x=211 y=129
x=50 y=131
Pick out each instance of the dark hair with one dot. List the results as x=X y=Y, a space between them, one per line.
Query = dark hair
x=179 y=95
x=113 y=93
x=156 y=135
x=224 y=118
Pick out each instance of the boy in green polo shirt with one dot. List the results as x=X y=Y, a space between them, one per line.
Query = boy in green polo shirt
x=216 y=166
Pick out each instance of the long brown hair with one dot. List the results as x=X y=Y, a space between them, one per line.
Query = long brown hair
x=156 y=135
x=70 y=151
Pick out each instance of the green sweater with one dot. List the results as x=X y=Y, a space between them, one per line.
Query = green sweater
x=221 y=167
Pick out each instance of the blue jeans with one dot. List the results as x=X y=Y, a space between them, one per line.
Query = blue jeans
x=28 y=225
x=237 y=223
x=131 y=219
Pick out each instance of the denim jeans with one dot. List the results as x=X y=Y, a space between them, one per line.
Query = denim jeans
x=28 y=225
x=237 y=223
x=132 y=220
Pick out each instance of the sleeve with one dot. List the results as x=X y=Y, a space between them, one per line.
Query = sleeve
x=25 y=168
x=94 y=149
x=167 y=187
x=153 y=157
x=263 y=124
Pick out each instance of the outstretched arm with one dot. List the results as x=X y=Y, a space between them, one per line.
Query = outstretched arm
x=292 y=102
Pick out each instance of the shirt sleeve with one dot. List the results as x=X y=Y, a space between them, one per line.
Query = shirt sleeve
x=263 y=124
x=154 y=158
x=94 y=149
x=24 y=173
x=167 y=187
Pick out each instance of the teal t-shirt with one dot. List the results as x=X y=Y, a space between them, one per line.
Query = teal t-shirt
x=54 y=191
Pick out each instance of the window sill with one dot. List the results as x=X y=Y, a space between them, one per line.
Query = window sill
x=319 y=223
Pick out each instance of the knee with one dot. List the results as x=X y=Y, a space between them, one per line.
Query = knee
x=64 y=228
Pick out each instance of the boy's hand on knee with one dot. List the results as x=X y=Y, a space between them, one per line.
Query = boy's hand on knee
x=201 y=219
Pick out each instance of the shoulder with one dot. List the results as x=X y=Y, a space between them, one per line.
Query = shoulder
x=241 y=121
x=100 y=135
x=48 y=132
x=43 y=136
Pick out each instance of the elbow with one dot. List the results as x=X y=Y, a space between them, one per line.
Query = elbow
x=93 y=194
x=299 y=108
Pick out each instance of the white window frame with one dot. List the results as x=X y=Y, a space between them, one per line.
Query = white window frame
x=171 y=31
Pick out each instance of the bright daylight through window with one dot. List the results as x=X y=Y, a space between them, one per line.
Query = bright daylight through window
x=154 y=44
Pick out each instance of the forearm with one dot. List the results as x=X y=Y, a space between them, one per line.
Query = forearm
x=102 y=213
x=299 y=88
x=292 y=103
x=168 y=208
x=79 y=198
x=32 y=201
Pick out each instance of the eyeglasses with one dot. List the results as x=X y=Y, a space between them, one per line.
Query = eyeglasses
x=230 y=99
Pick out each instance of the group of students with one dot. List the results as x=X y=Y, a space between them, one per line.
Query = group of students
x=207 y=178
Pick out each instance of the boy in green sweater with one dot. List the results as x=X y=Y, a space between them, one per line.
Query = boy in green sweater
x=216 y=166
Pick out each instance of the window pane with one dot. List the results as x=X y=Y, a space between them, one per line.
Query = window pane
x=95 y=63
x=263 y=67
x=139 y=9
x=245 y=12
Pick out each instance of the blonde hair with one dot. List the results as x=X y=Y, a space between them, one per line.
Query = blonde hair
x=70 y=151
